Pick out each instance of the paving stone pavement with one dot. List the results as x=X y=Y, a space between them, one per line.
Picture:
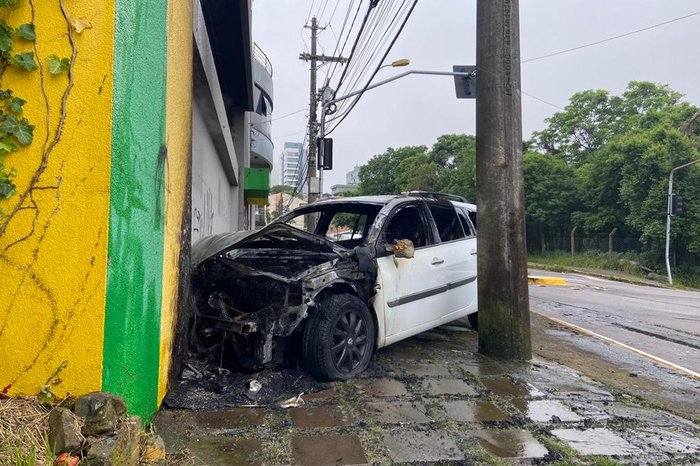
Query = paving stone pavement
x=435 y=400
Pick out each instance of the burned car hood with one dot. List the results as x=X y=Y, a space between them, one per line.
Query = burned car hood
x=215 y=245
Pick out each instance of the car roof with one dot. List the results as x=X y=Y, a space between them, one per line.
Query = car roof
x=379 y=200
x=385 y=199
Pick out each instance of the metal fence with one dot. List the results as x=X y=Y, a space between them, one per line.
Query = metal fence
x=611 y=246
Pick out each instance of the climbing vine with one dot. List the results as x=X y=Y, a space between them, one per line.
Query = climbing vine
x=15 y=130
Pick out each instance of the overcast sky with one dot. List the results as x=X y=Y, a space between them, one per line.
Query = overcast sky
x=441 y=33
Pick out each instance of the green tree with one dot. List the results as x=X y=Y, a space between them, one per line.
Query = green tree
x=419 y=173
x=550 y=195
x=584 y=126
x=378 y=175
x=457 y=153
x=282 y=188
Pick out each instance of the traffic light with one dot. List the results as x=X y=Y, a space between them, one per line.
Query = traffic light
x=677 y=207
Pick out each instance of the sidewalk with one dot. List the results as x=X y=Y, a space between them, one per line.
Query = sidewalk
x=433 y=399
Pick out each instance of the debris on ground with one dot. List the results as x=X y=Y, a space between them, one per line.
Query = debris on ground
x=220 y=387
x=293 y=402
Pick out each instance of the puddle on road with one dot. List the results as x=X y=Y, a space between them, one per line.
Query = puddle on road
x=323 y=416
x=547 y=411
x=505 y=386
x=510 y=443
x=229 y=419
x=598 y=441
x=325 y=450
x=226 y=451
x=474 y=411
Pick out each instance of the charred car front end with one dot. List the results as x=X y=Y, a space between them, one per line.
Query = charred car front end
x=252 y=291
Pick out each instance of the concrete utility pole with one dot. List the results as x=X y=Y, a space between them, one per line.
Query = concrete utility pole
x=312 y=181
x=504 y=313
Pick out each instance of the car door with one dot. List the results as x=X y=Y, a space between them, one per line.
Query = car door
x=413 y=289
x=458 y=247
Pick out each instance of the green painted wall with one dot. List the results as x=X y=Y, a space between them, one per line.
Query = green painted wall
x=136 y=232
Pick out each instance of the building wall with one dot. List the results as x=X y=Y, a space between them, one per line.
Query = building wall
x=91 y=245
x=212 y=210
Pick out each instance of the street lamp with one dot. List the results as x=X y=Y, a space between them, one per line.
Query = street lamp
x=397 y=63
x=668 y=217
x=327 y=103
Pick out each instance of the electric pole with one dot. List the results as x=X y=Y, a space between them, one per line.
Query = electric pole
x=312 y=182
x=504 y=312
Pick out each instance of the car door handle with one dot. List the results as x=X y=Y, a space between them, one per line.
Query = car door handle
x=473 y=252
x=437 y=261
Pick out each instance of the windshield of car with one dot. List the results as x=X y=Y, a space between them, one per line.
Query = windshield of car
x=346 y=224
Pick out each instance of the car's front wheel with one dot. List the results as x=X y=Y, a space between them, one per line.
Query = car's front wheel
x=339 y=338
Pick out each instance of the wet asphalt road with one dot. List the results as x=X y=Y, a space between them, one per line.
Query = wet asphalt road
x=663 y=322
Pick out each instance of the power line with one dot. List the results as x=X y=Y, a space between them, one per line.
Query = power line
x=352 y=25
x=637 y=31
x=289 y=134
x=354 y=45
x=280 y=117
x=541 y=100
x=391 y=45
x=377 y=45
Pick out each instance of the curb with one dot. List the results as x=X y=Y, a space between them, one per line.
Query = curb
x=615 y=278
x=551 y=281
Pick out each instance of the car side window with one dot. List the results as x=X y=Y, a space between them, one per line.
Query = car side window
x=465 y=223
x=446 y=220
x=407 y=223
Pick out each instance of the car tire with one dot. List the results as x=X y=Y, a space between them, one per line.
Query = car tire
x=474 y=320
x=339 y=338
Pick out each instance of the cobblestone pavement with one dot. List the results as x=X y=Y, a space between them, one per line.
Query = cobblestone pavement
x=433 y=399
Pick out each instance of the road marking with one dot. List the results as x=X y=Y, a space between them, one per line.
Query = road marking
x=669 y=364
x=537 y=280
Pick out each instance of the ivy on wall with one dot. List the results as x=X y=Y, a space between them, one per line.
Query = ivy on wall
x=15 y=130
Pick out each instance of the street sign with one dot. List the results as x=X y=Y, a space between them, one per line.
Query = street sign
x=465 y=86
x=325 y=153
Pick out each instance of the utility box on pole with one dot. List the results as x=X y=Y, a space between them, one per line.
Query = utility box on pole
x=504 y=313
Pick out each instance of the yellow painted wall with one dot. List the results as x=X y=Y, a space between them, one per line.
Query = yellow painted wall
x=52 y=304
x=178 y=142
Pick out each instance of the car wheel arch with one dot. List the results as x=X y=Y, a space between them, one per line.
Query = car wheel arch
x=342 y=287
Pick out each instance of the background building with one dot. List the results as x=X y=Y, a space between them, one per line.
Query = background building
x=352 y=183
x=293 y=161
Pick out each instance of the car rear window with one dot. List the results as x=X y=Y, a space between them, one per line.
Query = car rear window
x=447 y=222
x=466 y=224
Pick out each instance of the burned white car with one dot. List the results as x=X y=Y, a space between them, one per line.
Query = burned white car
x=336 y=280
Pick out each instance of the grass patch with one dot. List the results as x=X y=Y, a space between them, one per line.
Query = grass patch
x=603 y=461
x=559 y=449
x=596 y=260
x=627 y=263
x=24 y=433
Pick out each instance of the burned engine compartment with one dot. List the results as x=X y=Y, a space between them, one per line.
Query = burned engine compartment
x=253 y=296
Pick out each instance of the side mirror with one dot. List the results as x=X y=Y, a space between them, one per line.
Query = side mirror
x=402 y=248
